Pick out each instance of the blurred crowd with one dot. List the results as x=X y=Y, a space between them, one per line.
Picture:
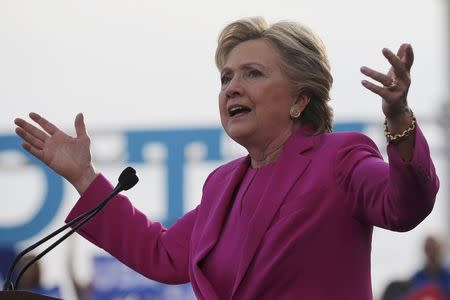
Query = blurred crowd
x=430 y=282
x=111 y=280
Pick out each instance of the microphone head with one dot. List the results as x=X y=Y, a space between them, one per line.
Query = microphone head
x=127 y=171
x=127 y=179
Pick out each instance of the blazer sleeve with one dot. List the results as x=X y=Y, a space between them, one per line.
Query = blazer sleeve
x=145 y=246
x=396 y=195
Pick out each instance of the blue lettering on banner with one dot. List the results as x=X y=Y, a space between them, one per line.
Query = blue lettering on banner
x=52 y=200
x=175 y=141
x=349 y=126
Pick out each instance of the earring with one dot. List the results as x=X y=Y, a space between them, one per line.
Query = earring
x=295 y=112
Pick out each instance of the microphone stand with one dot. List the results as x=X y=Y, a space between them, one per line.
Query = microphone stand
x=127 y=180
x=65 y=236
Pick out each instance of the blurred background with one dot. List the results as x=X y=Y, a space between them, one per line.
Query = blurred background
x=143 y=74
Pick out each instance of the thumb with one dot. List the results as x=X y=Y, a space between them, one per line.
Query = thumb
x=80 y=128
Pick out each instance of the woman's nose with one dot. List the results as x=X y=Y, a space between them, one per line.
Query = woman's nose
x=234 y=87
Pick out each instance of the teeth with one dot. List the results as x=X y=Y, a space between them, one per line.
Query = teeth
x=235 y=108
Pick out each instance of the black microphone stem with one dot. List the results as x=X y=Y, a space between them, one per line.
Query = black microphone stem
x=88 y=216
x=127 y=179
x=7 y=284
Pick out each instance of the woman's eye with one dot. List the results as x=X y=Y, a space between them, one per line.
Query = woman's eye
x=225 y=79
x=254 y=73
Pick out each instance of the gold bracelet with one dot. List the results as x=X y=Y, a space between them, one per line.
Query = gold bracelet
x=395 y=138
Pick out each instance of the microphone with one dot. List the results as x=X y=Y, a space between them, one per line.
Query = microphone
x=126 y=181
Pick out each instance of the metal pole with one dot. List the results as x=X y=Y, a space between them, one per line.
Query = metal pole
x=445 y=123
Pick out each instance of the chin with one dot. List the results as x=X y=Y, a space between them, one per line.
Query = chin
x=240 y=136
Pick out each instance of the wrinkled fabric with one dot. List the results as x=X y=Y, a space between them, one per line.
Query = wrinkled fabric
x=310 y=236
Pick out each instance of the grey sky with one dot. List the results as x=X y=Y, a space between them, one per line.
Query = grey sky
x=145 y=63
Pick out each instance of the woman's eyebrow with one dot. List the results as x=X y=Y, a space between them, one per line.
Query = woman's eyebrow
x=252 y=64
x=246 y=65
x=225 y=70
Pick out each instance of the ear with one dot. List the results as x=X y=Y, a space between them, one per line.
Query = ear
x=302 y=101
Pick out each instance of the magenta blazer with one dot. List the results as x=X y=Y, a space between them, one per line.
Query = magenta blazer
x=310 y=237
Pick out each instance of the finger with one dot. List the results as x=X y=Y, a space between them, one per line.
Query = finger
x=401 y=51
x=30 y=139
x=397 y=64
x=409 y=57
x=31 y=129
x=379 y=90
x=380 y=77
x=39 y=154
x=46 y=125
x=80 y=127
x=406 y=55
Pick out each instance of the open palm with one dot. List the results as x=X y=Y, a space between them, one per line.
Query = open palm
x=66 y=155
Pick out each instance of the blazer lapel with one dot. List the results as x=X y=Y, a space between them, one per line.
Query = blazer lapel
x=215 y=222
x=220 y=209
x=289 y=167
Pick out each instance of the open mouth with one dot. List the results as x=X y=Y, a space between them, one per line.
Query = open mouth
x=239 y=109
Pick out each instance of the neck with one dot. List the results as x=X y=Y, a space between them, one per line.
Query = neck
x=433 y=267
x=262 y=156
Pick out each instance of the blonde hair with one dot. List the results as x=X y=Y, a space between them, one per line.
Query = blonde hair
x=303 y=59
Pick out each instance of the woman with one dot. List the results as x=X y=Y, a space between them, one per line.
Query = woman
x=294 y=218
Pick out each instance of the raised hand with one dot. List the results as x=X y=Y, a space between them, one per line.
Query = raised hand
x=66 y=155
x=394 y=91
x=395 y=84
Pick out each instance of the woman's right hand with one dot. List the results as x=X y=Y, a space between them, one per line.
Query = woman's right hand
x=68 y=156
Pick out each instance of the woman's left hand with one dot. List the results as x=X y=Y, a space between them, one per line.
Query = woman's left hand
x=395 y=84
